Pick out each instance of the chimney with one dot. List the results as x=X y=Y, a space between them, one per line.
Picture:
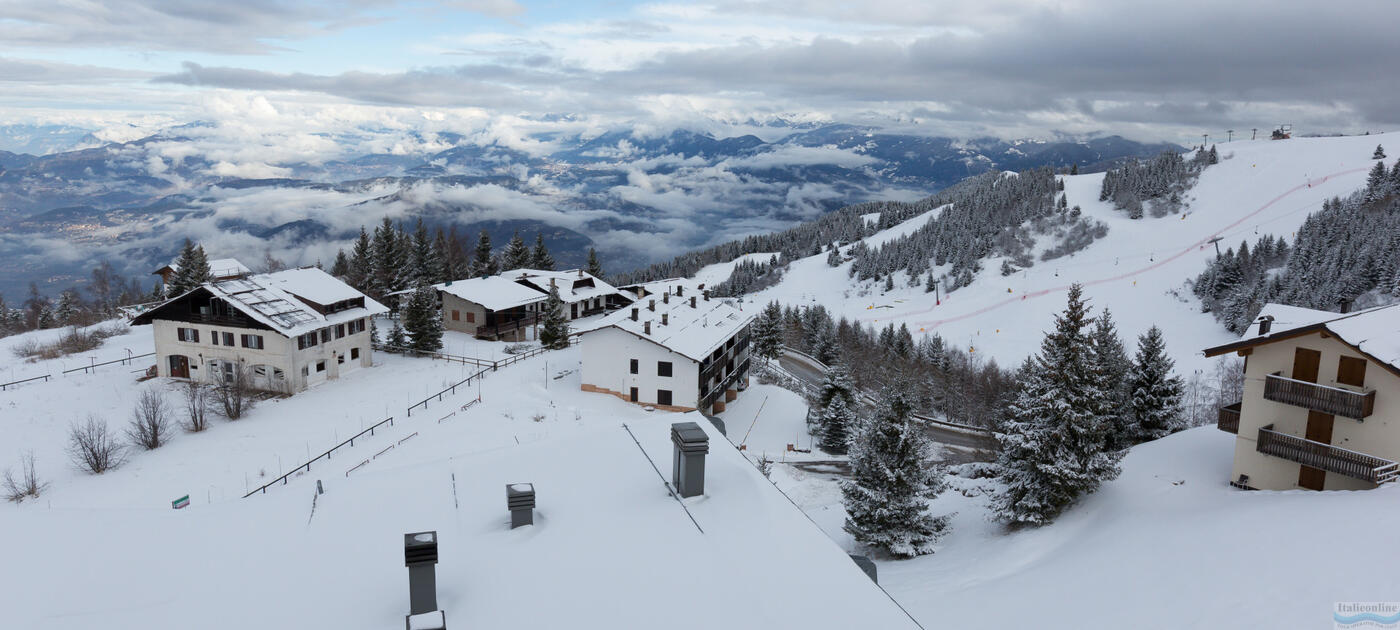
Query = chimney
x=666 y=298
x=634 y=313
x=551 y=283
x=680 y=291
x=420 y=554
x=665 y=319
x=1265 y=323
x=651 y=305
x=520 y=498
x=580 y=272
x=646 y=327
x=688 y=462
x=1345 y=306
x=692 y=301
x=707 y=296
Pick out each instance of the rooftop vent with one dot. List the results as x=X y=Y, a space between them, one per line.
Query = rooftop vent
x=634 y=313
x=707 y=296
x=680 y=290
x=692 y=301
x=520 y=498
x=1265 y=323
x=646 y=327
x=651 y=304
x=580 y=272
x=666 y=298
x=665 y=320
x=688 y=463
x=420 y=554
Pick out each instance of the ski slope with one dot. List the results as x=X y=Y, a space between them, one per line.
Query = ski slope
x=1138 y=270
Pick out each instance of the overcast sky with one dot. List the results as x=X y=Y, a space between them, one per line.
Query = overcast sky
x=1148 y=70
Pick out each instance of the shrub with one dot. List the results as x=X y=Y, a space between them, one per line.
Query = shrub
x=27 y=485
x=150 y=421
x=93 y=447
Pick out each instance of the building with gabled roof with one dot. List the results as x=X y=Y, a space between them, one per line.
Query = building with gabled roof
x=219 y=269
x=510 y=306
x=1321 y=400
x=289 y=330
x=677 y=349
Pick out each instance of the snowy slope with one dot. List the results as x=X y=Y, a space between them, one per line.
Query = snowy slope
x=1137 y=270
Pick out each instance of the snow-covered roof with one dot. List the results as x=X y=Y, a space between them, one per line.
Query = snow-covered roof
x=494 y=292
x=277 y=300
x=690 y=331
x=574 y=285
x=219 y=268
x=1373 y=331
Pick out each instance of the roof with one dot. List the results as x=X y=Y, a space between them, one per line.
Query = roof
x=493 y=292
x=574 y=285
x=1374 y=332
x=219 y=268
x=692 y=332
x=276 y=300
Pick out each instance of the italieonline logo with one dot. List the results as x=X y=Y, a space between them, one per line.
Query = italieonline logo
x=1366 y=615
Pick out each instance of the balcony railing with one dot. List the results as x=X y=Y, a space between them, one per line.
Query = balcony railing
x=1229 y=420
x=1327 y=457
x=494 y=330
x=1333 y=400
x=720 y=387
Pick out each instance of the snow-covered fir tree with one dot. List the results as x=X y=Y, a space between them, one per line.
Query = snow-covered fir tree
x=1133 y=185
x=767 y=333
x=1379 y=153
x=1054 y=442
x=424 y=262
x=66 y=312
x=516 y=255
x=892 y=482
x=191 y=270
x=593 y=267
x=361 y=263
x=483 y=263
x=554 y=332
x=397 y=338
x=1377 y=184
x=421 y=320
x=539 y=256
x=834 y=426
x=1155 y=402
x=1111 y=366
x=391 y=268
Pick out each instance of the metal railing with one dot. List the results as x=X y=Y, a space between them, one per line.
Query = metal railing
x=1326 y=457
x=24 y=380
x=1229 y=419
x=1327 y=399
x=489 y=367
x=384 y=347
x=122 y=361
x=327 y=455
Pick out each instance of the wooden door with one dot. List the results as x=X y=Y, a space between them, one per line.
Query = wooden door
x=1305 y=364
x=632 y=395
x=1319 y=430
x=179 y=366
x=1351 y=371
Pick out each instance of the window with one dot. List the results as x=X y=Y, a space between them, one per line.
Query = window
x=663 y=368
x=228 y=339
x=190 y=335
x=306 y=341
x=632 y=396
x=340 y=358
x=354 y=353
x=252 y=341
x=325 y=335
x=305 y=371
x=214 y=337
x=339 y=331
x=320 y=366
x=357 y=326
x=471 y=317
x=456 y=315
x=633 y=366
x=663 y=397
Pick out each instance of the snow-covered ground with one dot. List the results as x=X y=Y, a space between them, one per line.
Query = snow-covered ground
x=1138 y=270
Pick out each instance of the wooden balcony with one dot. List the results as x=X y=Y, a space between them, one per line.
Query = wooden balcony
x=1326 y=457
x=492 y=331
x=1333 y=400
x=1229 y=419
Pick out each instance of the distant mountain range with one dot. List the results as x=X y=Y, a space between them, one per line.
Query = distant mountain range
x=637 y=197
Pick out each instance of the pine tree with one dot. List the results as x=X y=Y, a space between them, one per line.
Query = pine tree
x=421 y=320
x=929 y=283
x=1054 y=442
x=836 y=383
x=1375 y=183
x=1111 y=366
x=361 y=265
x=767 y=332
x=539 y=257
x=554 y=333
x=594 y=268
x=191 y=270
x=1379 y=153
x=889 y=283
x=423 y=262
x=341 y=267
x=65 y=313
x=483 y=264
x=1074 y=169
x=892 y=482
x=834 y=426
x=1156 y=400
x=390 y=261
x=516 y=255
x=397 y=337
x=833 y=258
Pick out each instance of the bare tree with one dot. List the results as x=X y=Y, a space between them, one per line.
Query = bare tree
x=94 y=447
x=197 y=406
x=233 y=394
x=150 y=421
x=1229 y=372
x=27 y=485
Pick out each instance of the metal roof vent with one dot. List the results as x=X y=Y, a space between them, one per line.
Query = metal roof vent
x=420 y=554
x=688 y=461
x=520 y=498
x=1265 y=324
x=665 y=319
x=646 y=327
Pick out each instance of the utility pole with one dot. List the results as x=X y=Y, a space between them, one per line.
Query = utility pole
x=1216 y=241
x=1229 y=135
x=1253 y=133
x=936 y=300
x=1204 y=137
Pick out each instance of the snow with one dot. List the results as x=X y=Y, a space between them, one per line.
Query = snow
x=310 y=283
x=272 y=299
x=711 y=275
x=427 y=621
x=1138 y=270
x=903 y=229
x=574 y=285
x=610 y=547
x=495 y=292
